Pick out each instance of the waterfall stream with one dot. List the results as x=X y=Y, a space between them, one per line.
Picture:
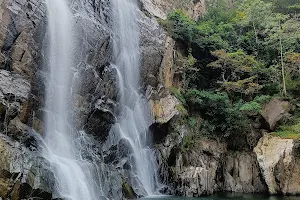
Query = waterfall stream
x=75 y=166
x=135 y=117
x=75 y=161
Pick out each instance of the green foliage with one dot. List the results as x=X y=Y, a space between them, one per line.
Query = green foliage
x=177 y=93
x=289 y=131
x=251 y=107
x=188 y=142
x=239 y=72
x=286 y=6
x=290 y=126
x=207 y=34
x=220 y=116
x=182 y=110
x=263 y=99
x=231 y=57
x=292 y=85
x=192 y=121
x=182 y=27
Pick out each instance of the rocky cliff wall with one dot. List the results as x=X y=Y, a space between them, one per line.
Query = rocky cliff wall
x=208 y=166
x=23 y=42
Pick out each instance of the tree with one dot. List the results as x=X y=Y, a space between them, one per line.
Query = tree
x=238 y=72
x=253 y=13
x=285 y=6
x=293 y=63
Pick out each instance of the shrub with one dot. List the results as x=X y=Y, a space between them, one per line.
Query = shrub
x=177 y=93
x=220 y=117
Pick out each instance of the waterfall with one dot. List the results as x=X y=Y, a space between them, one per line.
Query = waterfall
x=73 y=162
x=135 y=117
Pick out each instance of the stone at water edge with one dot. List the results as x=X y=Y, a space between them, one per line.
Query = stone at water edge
x=279 y=161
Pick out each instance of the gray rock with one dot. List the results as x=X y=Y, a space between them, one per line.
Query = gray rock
x=152 y=47
x=241 y=173
x=161 y=8
x=204 y=166
x=274 y=111
x=279 y=162
x=13 y=86
x=23 y=174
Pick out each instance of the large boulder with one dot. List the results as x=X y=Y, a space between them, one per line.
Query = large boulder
x=274 y=111
x=165 y=108
x=279 y=161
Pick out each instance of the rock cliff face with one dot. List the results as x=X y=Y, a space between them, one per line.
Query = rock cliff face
x=23 y=42
x=161 y=8
x=203 y=167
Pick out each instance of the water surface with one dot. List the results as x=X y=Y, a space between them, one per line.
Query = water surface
x=227 y=196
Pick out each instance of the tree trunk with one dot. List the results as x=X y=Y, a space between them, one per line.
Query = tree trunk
x=255 y=32
x=282 y=67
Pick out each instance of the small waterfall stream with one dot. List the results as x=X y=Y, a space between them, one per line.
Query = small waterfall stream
x=135 y=117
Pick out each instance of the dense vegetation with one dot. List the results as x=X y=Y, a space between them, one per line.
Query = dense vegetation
x=236 y=59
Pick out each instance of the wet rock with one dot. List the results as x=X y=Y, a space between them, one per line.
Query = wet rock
x=128 y=191
x=101 y=120
x=18 y=130
x=24 y=43
x=13 y=86
x=23 y=174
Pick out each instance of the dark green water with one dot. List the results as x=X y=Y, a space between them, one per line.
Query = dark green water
x=226 y=196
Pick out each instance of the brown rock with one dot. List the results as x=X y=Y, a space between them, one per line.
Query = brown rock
x=5 y=187
x=25 y=112
x=167 y=65
x=165 y=108
x=274 y=111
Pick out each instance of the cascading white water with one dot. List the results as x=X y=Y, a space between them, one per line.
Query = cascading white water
x=77 y=178
x=135 y=116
